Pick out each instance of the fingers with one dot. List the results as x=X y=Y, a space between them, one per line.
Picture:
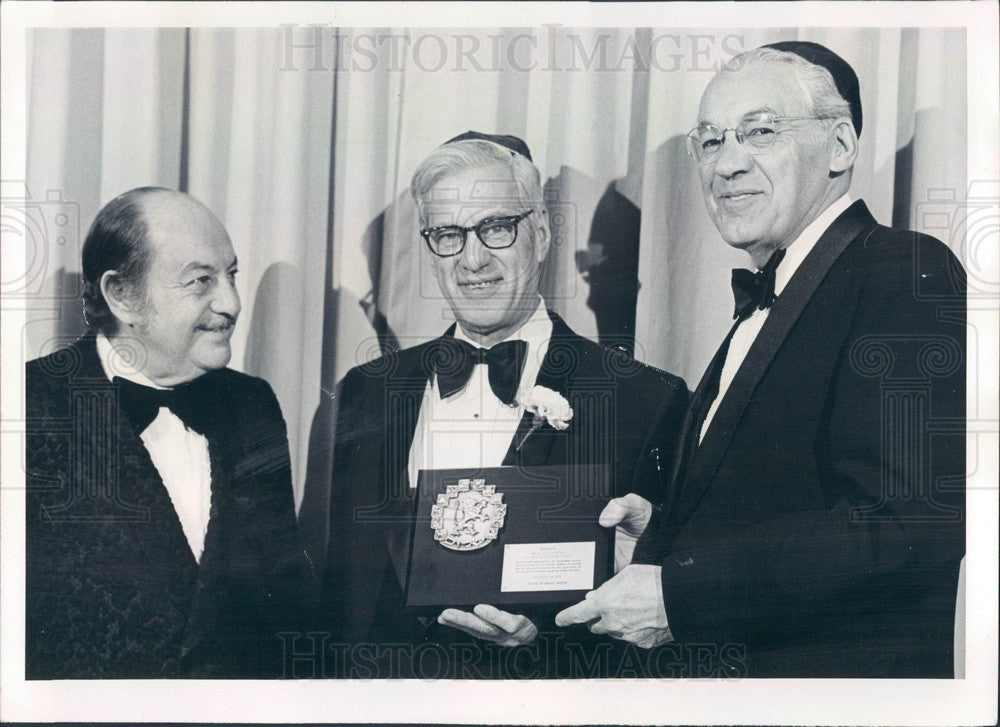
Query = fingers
x=506 y=621
x=470 y=624
x=491 y=624
x=582 y=612
x=602 y=627
x=521 y=629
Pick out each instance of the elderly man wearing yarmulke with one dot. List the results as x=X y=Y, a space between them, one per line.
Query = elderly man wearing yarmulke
x=817 y=520
x=487 y=234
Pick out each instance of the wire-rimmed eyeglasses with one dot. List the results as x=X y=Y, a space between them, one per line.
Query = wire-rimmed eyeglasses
x=755 y=133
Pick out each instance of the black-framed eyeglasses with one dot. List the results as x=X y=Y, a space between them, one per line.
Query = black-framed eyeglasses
x=495 y=233
x=755 y=133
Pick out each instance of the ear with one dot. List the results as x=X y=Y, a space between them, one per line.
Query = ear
x=843 y=146
x=122 y=300
x=543 y=237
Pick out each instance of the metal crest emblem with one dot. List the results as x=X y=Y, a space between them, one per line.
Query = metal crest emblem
x=468 y=516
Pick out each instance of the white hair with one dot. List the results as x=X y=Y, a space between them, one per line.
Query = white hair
x=474 y=154
x=816 y=80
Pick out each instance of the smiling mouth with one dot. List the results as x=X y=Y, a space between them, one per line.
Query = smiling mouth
x=225 y=328
x=737 y=196
x=479 y=284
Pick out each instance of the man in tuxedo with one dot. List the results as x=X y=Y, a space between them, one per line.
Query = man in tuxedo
x=816 y=520
x=453 y=403
x=161 y=534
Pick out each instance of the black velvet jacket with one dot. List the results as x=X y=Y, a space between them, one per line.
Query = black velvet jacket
x=113 y=589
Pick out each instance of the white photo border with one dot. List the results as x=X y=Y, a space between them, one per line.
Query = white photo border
x=972 y=700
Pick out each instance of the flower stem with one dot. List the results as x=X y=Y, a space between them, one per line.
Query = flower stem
x=535 y=423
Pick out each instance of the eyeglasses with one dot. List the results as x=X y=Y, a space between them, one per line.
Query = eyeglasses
x=495 y=233
x=754 y=133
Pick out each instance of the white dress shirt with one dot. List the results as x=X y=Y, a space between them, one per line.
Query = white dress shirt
x=472 y=427
x=179 y=454
x=746 y=332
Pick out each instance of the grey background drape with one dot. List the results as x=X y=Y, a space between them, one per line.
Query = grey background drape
x=303 y=142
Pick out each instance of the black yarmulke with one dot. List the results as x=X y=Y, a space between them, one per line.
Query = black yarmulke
x=513 y=143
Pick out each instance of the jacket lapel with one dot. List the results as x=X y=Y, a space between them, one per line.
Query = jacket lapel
x=141 y=494
x=784 y=313
x=548 y=446
x=210 y=594
x=210 y=590
x=687 y=447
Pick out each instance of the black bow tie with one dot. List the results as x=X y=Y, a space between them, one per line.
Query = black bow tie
x=755 y=291
x=456 y=359
x=188 y=401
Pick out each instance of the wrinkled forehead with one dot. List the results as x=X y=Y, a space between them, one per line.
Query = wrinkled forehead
x=473 y=193
x=761 y=86
x=181 y=231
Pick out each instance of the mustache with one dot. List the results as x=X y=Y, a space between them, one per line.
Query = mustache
x=226 y=324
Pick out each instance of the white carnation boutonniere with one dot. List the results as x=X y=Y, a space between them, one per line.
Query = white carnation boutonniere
x=547 y=407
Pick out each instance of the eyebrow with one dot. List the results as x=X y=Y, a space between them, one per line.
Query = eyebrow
x=196 y=266
x=748 y=114
x=762 y=110
x=494 y=214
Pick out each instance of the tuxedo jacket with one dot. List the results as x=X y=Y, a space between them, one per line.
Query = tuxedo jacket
x=626 y=415
x=113 y=589
x=818 y=528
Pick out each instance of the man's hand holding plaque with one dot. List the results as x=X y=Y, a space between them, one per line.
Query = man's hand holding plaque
x=629 y=516
x=628 y=607
x=508 y=537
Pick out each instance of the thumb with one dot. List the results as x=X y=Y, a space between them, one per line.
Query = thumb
x=613 y=513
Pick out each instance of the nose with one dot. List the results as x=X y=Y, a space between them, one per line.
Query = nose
x=476 y=255
x=733 y=157
x=226 y=300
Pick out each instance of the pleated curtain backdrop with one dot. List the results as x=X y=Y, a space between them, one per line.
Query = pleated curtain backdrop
x=305 y=152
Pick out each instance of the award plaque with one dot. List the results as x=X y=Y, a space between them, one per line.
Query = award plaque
x=524 y=539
